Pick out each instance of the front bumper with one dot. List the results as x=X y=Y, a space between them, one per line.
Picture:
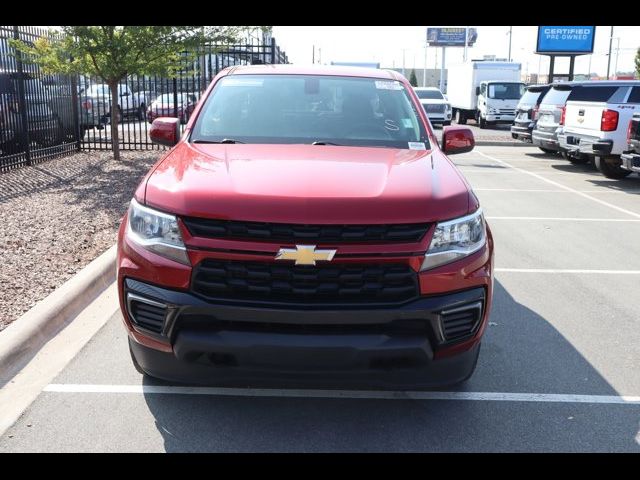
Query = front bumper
x=500 y=118
x=631 y=161
x=439 y=118
x=386 y=346
x=585 y=145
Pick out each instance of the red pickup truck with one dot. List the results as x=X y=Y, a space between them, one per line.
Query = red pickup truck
x=306 y=228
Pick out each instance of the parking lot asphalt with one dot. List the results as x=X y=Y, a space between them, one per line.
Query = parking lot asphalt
x=558 y=370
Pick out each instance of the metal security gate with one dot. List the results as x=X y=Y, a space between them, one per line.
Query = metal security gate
x=47 y=116
x=143 y=98
x=38 y=113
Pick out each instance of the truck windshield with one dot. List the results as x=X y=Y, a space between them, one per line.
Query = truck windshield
x=310 y=108
x=506 y=91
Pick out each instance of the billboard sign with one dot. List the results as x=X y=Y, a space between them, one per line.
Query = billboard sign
x=565 y=40
x=450 y=36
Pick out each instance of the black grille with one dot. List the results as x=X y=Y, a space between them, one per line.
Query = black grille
x=212 y=228
x=433 y=107
x=461 y=322
x=309 y=285
x=149 y=317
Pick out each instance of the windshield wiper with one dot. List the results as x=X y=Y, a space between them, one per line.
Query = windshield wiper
x=224 y=140
x=321 y=142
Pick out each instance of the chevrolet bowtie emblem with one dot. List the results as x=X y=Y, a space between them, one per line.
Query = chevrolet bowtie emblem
x=305 y=254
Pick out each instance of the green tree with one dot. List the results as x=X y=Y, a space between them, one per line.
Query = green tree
x=638 y=63
x=413 y=80
x=114 y=52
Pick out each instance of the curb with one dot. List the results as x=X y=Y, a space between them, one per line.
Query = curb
x=24 y=337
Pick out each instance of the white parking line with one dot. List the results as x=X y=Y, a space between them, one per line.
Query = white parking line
x=568 y=219
x=544 y=190
x=349 y=394
x=569 y=189
x=567 y=270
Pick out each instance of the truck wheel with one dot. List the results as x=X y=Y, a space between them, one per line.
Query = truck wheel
x=461 y=118
x=141 y=112
x=610 y=170
x=482 y=122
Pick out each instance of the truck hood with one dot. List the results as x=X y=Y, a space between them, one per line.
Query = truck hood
x=307 y=184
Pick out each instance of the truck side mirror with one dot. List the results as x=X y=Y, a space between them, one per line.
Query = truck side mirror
x=457 y=139
x=477 y=90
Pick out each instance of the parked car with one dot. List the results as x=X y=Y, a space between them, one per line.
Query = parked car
x=49 y=115
x=146 y=98
x=95 y=105
x=163 y=106
x=527 y=112
x=549 y=120
x=631 y=156
x=596 y=118
x=281 y=241
x=435 y=104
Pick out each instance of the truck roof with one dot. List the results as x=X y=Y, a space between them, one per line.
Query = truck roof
x=338 y=70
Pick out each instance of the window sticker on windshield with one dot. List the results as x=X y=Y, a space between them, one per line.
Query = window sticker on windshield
x=388 y=85
x=406 y=123
x=417 y=146
x=243 y=82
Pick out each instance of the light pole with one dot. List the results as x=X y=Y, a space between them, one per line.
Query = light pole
x=510 y=34
x=424 y=70
x=615 y=70
x=609 y=59
x=466 y=39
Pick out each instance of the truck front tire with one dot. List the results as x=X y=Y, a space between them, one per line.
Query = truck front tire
x=461 y=118
x=482 y=122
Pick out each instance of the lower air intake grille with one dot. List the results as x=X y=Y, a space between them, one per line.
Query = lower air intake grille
x=146 y=313
x=461 y=322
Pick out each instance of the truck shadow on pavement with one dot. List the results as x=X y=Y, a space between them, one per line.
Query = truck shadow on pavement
x=521 y=352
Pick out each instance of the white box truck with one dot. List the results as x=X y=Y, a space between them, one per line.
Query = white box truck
x=486 y=91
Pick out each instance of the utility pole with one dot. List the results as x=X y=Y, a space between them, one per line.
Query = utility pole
x=403 y=50
x=424 y=70
x=319 y=55
x=313 y=55
x=466 y=39
x=442 y=70
x=510 y=32
x=589 y=72
x=609 y=59
x=615 y=70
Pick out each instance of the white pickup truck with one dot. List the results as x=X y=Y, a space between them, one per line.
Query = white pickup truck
x=595 y=123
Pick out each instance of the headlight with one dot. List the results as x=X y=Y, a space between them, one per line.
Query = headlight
x=455 y=239
x=157 y=232
x=493 y=110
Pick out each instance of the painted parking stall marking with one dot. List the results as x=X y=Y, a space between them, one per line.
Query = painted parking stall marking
x=569 y=189
x=348 y=394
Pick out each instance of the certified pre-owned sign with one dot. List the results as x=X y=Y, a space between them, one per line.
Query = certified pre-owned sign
x=565 y=40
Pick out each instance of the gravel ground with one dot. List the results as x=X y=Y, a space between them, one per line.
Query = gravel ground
x=57 y=217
